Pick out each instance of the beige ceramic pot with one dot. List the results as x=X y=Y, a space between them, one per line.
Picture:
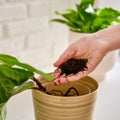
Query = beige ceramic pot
x=107 y=63
x=72 y=107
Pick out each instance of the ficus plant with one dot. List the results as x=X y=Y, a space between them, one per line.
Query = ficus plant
x=87 y=19
x=15 y=77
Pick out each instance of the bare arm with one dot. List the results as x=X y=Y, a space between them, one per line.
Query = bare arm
x=112 y=37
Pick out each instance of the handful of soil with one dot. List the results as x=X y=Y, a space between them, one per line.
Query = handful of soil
x=73 y=66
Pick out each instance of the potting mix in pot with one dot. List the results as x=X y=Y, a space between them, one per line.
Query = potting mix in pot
x=71 y=66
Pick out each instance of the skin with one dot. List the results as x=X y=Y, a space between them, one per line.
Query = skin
x=91 y=46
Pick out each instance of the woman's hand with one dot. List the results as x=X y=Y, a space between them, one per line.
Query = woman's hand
x=90 y=47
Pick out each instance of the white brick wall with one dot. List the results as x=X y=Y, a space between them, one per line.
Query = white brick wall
x=1 y=31
x=110 y=3
x=27 y=33
x=12 y=12
x=2 y=1
x=26 y=30
x=12 y=44
x=27 y=26
x=35 y=37
x=38 y=9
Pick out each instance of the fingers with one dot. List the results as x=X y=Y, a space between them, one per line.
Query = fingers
x=68 y=53
x=70 y=78
x=56 y=73
x=60 y=79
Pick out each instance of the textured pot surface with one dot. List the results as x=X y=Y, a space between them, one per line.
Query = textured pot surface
x=51 y=107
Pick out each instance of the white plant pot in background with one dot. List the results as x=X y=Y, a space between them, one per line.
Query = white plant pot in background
x=107 y=63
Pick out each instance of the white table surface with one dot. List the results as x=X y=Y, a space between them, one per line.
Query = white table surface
x=20 y=107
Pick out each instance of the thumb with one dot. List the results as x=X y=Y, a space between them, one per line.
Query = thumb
x=68 y=53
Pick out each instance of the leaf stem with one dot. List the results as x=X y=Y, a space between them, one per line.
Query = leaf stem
x=40 y=86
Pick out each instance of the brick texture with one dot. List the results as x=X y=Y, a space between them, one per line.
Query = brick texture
x=40 y=38
x=38 y=9
x=12 y=12
x=27 y=33
x=27 y=26
x=2 y=1
x=13 y=44
x=1 y=32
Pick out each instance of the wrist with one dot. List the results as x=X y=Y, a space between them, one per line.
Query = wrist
x=110 y=36
x=101 y=42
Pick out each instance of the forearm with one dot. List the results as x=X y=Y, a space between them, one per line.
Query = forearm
x=111 y=36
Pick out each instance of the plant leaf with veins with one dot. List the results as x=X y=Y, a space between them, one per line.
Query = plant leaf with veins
x=14 y=78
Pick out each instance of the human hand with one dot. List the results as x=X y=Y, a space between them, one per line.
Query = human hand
x=90 y=47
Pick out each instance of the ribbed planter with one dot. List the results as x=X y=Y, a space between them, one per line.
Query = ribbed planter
x=51 y=107
x=106 y=64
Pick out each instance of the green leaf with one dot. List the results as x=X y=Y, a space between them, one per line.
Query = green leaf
x=12 y=61
x=3 y=112
x=10 y=78
x=22 y=87
x=47 y=76
x=14 y=73
x=7 y=60
x=87 y=19
x=84 y=4
x=17 y=75
x=59 y=20
x=4 y=93
x=14 y=78
x=108 y=12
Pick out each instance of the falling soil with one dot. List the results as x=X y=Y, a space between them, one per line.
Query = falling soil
x=72 y=66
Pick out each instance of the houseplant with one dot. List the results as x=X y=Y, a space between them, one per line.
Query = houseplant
x=86 y=19
x=62 y=107
x=16 y=77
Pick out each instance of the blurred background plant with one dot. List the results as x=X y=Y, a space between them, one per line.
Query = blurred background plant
x=87 y=19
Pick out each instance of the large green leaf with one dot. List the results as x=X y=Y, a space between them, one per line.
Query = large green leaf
x=14 y=78
x=47 y=76
x=84 y=4
x=9 y=79
x=16 y=74
x=83 y=17
x=108 y=12
x=7 y=60
x=22 y=87
x=8 y=88
x=12 y=61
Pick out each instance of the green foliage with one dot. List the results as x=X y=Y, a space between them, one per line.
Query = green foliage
x=86 y=18
x=15 y=77
x=3 y=112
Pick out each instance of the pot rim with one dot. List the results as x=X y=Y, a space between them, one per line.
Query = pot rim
x=72 y=97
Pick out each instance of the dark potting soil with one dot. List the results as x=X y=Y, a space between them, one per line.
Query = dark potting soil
x=73 y=66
